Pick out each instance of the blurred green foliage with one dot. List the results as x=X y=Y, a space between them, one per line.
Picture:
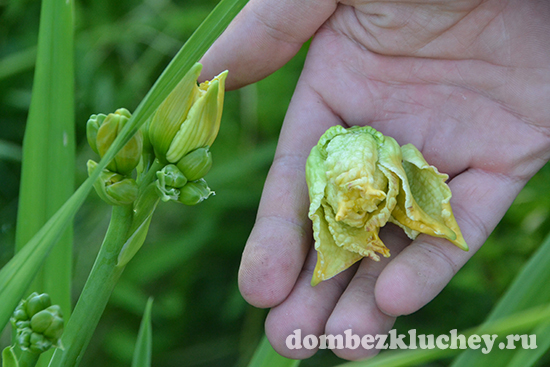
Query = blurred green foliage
x=190 y=260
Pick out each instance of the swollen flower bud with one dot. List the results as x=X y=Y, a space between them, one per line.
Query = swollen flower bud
x=170 y=175
x=359 y=180
x=38 y=323
x=196 y=164
x=102 y=130
x=114 y=188
x=194 y=192
x=92 y=127
x=189 y=118
x=170 y=179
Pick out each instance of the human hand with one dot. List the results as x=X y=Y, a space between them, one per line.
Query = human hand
x=467 y=82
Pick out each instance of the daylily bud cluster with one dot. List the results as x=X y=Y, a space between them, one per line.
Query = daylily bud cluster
x=177 y=137
x=38 y=323
x=184 y=183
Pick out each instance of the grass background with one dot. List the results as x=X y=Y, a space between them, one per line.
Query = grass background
x=190 y=260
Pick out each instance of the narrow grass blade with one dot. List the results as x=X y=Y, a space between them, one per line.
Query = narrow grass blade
x=517 y=323
x=10 y=151
x=528 y=357
x=17 y=275
x=8 y=358
x=17 y=62
x=265 y=356
x=527 y=290
x=144 y=344
x=48 y=165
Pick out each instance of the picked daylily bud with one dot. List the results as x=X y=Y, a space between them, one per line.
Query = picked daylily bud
x=114 y=188
x=359 y=180
x=38 y=323
x=128 y=157
x=196 y=164
x=189 y=118
x=92 y=127
x=195 y=192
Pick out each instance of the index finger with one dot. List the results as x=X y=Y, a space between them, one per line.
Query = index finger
x=277 y=247
x=263 y=37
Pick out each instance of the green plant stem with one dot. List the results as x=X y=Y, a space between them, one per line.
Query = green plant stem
x=96 y=292
x=28 y=359
x=150 y=175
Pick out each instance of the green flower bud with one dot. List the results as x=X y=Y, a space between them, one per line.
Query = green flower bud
x=128 y=157
x=36 y=303
x=114 y=188
x=170 y=179
x=167 y=193
x=38 y=343
x=23 y=337
x=20 y=315
x=92 y=126
x=48 y=322
x=38 y=324
x=189 y=118
x=196 y=164
x=194 y=192
x=171 y=176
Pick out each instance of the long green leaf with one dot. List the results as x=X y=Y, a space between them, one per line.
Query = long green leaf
x=10 y=151
x=48 y=165
x=517 y=322
x=18 y=273
x=144 y=343
x=17 y=62
x=16 y=276
x=527 y=290
x=8 y=358
x=266 y=356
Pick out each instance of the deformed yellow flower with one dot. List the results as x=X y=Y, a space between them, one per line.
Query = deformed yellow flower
x=359 y=180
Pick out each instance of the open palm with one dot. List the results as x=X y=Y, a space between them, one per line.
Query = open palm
x=467 y=82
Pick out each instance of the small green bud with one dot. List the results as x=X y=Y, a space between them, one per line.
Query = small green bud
x=195 y=192
x=128 y=157
x=39 y=343
x=23 y=337
x=167 y=193
x=189 y=118
x=113 y=188
x=20 y=315
x=92 y=126
x=123 y=192
x=171 y=176
x=38 y=324
x=41 y=321
x=48 y=322
x=37 y=302
x=170 y=179
x=196 y=164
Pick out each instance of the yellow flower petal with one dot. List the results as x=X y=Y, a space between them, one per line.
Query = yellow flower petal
x=331 y=259
x=427 y=206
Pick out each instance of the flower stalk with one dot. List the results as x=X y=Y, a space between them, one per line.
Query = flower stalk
x=101 y=282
